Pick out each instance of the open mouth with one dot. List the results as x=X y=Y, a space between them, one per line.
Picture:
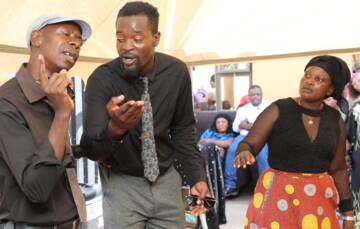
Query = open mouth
x=70 y=55
x=128 y=60
x=306 y=90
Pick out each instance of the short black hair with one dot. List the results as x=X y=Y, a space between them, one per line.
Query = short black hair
x=141 y=8
x=225 y=116
x=212 y=78
x=254 y=86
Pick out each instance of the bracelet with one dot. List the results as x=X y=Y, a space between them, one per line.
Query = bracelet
x=348 y=218
x=346 y=205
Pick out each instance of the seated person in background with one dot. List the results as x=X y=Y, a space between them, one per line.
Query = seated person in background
x=245 y=117
x=220 y=134
x=226 y=105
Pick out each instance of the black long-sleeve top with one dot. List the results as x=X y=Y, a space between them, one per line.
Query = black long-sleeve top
x=295 y=147
x=174 y=122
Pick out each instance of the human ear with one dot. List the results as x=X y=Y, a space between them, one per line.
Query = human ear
x=330 y=90
x=36 y=38
x=156 y=39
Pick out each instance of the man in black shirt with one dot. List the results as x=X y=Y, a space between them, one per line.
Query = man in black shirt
x=113 y=129
x=38 y=187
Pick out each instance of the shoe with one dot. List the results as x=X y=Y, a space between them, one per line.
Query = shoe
x=231 y=192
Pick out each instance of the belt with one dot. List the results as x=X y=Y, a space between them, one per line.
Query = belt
x=73 y=224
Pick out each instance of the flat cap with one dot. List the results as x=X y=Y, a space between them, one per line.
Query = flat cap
x=43 y=21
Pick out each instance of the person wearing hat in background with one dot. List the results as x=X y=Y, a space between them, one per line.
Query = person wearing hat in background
x=38 y=187
x=307 y=178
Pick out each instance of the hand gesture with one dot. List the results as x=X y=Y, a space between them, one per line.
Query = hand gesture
x=199 y=189
x=243 y=159
x=54 y=88
x=245 y=124
x=123 y=116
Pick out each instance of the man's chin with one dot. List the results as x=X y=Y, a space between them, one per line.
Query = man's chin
x=131 y=73
x=60 y=67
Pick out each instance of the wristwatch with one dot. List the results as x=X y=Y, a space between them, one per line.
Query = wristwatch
x=348 y=218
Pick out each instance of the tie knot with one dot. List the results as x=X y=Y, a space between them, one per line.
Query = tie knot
x=145 y=80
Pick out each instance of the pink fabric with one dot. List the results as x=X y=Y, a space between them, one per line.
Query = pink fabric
x=355 y=75
x=244 y=100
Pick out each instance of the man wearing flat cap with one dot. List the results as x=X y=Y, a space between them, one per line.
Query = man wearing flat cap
x=38 y=187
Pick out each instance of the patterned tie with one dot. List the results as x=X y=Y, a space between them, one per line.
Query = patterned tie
x=148 y=151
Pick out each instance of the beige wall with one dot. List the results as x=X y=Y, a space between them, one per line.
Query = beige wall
x=280 y=78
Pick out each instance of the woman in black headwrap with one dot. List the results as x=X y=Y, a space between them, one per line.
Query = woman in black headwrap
x=307 y=179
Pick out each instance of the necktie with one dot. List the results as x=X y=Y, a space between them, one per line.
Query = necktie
x=148 y=150
x=76 y=191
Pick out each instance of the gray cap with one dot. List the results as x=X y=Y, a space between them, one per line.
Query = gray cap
x=43 y=21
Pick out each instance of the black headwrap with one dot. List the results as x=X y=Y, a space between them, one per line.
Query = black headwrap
x=339 y=73
x=337 y=70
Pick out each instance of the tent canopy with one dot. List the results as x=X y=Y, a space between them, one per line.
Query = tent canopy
x=204 y=30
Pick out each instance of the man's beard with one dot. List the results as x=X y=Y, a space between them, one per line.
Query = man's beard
x=130 y=73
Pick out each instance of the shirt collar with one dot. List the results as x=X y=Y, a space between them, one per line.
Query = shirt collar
x=258 y=106
x=151 y=75
x=31 y=89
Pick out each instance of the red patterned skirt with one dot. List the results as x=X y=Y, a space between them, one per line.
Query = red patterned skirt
x=284 y=200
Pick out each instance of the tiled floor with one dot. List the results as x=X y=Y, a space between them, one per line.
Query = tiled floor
x=235 y=211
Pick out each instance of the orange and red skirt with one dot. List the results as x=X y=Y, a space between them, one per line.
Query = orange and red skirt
x=284 y=200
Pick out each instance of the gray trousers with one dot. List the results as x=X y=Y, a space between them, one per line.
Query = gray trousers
x=134 y=203
x=75 y=224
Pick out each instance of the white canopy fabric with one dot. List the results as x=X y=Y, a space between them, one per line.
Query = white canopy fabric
x=205 y=30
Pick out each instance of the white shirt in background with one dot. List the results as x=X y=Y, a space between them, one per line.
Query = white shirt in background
x=249 y=112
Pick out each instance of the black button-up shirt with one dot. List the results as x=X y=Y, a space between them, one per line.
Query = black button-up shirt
x=33 y=186
x=174 y=122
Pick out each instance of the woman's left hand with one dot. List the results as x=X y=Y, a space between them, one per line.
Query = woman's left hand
x=243 y=159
